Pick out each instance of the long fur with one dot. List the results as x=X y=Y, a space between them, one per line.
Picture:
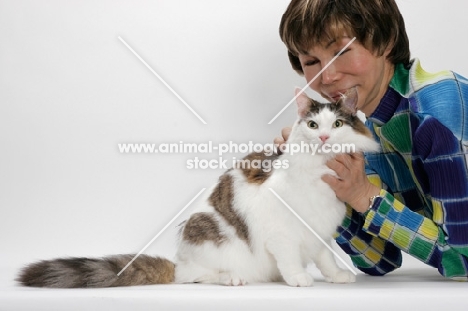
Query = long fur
x=241 y=233
x=92 y=272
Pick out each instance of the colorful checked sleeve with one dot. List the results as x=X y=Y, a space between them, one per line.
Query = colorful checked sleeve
x=370 y=253
x=423 y=172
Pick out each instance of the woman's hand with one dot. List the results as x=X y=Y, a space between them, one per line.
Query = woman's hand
x=351 y=185
x=279 y=141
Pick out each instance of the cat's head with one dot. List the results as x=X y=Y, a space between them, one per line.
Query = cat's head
x=332 y=126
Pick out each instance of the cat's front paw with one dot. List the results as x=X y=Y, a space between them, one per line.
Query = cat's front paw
x=300 y=280
x=231 y=280
x=342 y=277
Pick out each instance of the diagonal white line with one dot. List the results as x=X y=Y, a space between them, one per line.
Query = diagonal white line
x=160 y=232
x=162 y=80
x=313 y=79
x=312 y=230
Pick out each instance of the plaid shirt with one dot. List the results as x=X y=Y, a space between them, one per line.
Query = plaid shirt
x=423 y=173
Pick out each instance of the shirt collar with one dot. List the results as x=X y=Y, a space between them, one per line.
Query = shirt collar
x=386 y=108
x=392 y=98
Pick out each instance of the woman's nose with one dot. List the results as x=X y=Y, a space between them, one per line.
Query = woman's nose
x=329 y=75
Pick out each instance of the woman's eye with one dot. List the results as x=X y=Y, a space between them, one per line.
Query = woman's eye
x=312 y=125
x=310 y=63
x=338 y=123
x=347 y=50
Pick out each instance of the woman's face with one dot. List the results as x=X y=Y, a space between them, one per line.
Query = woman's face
x=355 y=67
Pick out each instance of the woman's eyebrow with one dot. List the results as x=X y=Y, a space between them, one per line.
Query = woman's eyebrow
x=330 y=43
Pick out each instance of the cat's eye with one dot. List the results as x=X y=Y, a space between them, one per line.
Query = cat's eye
x=338 y=123
x=312 y=125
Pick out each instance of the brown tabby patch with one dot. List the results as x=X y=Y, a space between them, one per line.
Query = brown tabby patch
x=202 y=227
x=222 y=200
x=254 y=172
x=350 y=119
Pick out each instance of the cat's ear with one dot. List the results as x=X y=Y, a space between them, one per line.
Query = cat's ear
x=349 y=101
x=303 y=102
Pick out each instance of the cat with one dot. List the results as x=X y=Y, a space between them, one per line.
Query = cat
x=241 y=233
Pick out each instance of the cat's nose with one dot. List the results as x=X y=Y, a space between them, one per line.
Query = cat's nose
x=323 y=138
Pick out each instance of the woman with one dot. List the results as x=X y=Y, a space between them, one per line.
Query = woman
x=413 y=195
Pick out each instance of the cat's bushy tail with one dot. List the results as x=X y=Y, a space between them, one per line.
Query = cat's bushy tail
x=93 y=272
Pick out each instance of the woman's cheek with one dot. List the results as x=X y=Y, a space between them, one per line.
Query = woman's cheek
x=309 y=75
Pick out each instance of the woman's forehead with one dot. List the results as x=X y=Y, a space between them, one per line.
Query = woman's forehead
x=308 y=39
x=325 y=45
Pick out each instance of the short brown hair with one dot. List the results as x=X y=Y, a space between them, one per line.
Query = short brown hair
x=377 y=24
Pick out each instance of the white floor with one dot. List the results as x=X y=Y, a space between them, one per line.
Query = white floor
x=412 y=287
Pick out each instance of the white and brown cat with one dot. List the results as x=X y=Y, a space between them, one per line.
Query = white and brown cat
x=240 y=232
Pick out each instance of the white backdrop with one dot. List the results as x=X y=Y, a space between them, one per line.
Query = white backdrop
x=70 y=91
